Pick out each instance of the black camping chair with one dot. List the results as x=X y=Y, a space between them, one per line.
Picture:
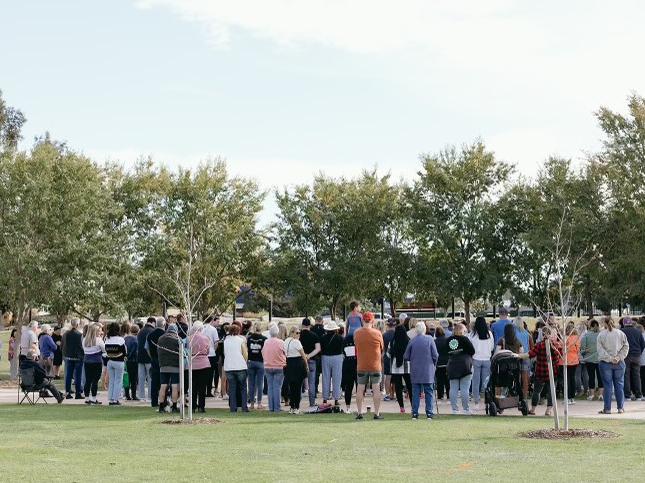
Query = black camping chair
x=28 y=387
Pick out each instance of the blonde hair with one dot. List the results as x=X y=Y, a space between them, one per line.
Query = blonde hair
x=91 y=335
x=608 y=323
x=257 y=327
x=293 y=330
x=282 y=331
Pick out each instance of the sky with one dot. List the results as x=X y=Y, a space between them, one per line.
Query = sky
x=285 y=89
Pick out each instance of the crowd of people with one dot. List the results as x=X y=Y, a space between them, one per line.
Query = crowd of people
x=329 y=363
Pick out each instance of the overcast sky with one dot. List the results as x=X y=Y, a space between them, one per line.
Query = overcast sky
x=284 y=89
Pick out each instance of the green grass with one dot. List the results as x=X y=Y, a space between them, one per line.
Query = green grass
x=72 y=443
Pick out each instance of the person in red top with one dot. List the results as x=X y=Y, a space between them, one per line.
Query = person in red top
x=369 y=354
x=542 y=368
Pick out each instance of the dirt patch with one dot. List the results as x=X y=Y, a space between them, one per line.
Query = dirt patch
x=568 y=434
x=193 y=422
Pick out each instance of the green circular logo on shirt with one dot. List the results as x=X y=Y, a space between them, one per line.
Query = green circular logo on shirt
x=453 y=344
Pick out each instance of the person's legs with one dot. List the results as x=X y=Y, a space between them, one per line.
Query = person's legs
x=618 y=376
x=311 y=381
x=627 y=380
x=635 y=374
x=336 y=375
x=326 y=377
x=133 y=374
x=205 y=376
x=252 y=370
x=294 y=393
x=398 y=388
x=428 y=390
x=477 y=381
x=591 y=375
x=360 y=394
x=88 y=383
x=78 y=378
x=607 y=382
x=464 y=386
x=232 y=386
x=69 y=370
x=241 y=383
x=270 y=375
x=154 y=384
x=642 y=376
x=376 y=394
x=454 y=392
x=143 y=377
x=537 y=391
x=571 y=381
x=111 y=369
x=416 y=393
x=259 y=384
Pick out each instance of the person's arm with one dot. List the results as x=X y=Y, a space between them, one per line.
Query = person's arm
x=469 y=348
x=624 y=348
x=434 y=353
x=406 y=354
x=245 y=351
x=314 y=352
x=603 y=355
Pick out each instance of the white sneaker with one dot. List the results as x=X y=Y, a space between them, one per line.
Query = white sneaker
x=296 y=411
x=290 y=410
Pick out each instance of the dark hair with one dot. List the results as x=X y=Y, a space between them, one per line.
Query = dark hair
x=353 y=304
x=439 y=332
x=481 y=328
x=234 y=329
x=399 y=344
x=13 y=332
x=594 y=323
x=151 y=320
x=113 y=329
x=511 y=341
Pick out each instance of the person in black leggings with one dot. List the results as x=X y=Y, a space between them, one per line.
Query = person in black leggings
x=400 y=368
x=93 y=348
x=349 y=371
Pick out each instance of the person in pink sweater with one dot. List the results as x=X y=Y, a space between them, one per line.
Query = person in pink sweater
x=275 y=359
x=199 y=347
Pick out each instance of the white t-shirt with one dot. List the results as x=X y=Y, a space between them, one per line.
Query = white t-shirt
x=233 y=358
x=292 y=347
x=27 y=339
x=211 y=334
x=483 y=347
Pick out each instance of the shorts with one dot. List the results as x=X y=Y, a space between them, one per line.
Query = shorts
x=368 y=378
x=169 y=378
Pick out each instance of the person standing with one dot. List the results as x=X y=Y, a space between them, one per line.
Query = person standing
x=523 y=335
x=47 y=348
x=144 y=361
x=349 y=371
x=422 y=354
x=400 y=367
x=169 y=348
x=199 y=347
x=274 y=357
x=482 y=340
x=369 y=345
x=131 y=364
x=255 y=342
x=296 y=368
x=613 y=348
x=589 y=353
x=319 y=330
x=354 y=319
x=498 y=327
x=72 y=346
x=441 y=373
x=573 y=360
x=632 y=361
x=388 y=336
x=116 y=355
x=93 y=349
x=542 y=381
x=311 y=344
x=58 y=353
x=235 y=367
x=13 y=355
x=29 y=342
x=332 y=362
x=152 y=349
x=460 y=362
x=212 y=334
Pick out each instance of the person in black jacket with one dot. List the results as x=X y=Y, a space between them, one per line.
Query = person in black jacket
x=144 y=362
x=460 y=367
x=632 y=361
x=152 y=350
x=441 y=374
x=72 y=347
x=41 y=379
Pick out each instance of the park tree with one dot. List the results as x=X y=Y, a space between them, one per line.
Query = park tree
x=455 y=215
x=11 y=122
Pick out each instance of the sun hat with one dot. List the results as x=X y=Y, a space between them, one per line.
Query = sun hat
x=331 y=325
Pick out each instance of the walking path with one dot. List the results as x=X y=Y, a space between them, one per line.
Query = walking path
x=582 y=408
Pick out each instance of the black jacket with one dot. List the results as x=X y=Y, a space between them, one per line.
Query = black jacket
x=460 y=356
x=635 y=340
x=72 y=344
x=153 y=340
x=142 y=337
x=169 y=349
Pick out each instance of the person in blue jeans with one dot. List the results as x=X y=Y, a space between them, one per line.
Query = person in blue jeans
x=255 y=342
x=422 y=355
x=311 y=345
x=484 y=343
x=332 y=345
x=612 y=350
x=72 y=346
x=460 y=365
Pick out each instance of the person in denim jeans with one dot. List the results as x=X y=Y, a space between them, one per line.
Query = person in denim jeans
x=484 y=343
x=255 y=343
x=332 y=361
x=275 y=359
x=460 y=352
x=422 y=355
x=311 y=345
x=73 y=355
x=612 y=350
x=235 y=365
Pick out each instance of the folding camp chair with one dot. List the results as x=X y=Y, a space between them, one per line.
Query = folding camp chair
x=28 y=387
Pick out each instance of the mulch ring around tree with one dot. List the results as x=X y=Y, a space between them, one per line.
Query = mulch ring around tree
x=568 y=434
x=193 y=422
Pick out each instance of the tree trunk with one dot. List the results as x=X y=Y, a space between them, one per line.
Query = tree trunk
x=556 y=418
x=467 y=312
x=392 y=307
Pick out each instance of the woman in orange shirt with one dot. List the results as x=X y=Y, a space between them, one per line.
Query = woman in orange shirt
x=573 y=360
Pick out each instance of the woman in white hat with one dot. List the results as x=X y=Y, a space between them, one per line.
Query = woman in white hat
x=332 y=361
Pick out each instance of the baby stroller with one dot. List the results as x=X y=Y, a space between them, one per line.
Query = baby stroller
x=506 y=373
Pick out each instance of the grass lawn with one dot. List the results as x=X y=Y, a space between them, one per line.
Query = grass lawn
x=79 y=444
